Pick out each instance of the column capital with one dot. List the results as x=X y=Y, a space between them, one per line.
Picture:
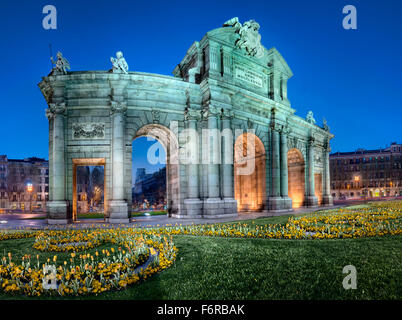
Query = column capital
x=55 y=109
x=227 y=114
x=311 y=142
x=327 y=146
x=118 y=107
x=275 y=127
x=285 y=130
x=210 y=111
x=192 y=114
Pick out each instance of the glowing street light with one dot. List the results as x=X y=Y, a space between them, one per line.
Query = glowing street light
x=30 y=189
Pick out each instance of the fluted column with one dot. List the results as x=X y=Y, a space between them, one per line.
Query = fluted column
x=275 y=201
x=312 y=200
x=214 y=154
x=287 y=202
x=192 y=178
x=192 y=204
x=59 y=178
x=275 y=164
x=227 y=163
x=118 y=111
x=213 y=205
x=227 y=155
x=118 y=206
x=57 y=207
x=327 y=197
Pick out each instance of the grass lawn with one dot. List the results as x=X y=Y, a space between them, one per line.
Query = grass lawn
x=226 y=268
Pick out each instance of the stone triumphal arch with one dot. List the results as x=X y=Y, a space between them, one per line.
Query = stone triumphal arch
x=226 y=83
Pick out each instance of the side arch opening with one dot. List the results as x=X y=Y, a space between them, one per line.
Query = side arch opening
x=249 y=173
x=296 y=178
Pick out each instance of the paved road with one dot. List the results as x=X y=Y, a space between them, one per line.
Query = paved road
x=22 y=221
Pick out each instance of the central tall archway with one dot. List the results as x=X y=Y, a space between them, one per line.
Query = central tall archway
x=249 y=173
x=169 y=141
x=296 y=178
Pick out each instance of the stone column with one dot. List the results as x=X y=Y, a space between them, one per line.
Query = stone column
x=275 y=200
x=227 y=163
x=192 y=204
x=118 y=205
x=57 y=207
x=287 y=202
x=214 y=151
x=213 y=205
x=327 y=199
x=312 y=200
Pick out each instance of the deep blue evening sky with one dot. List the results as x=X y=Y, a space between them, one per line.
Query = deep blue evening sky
x=351 y=77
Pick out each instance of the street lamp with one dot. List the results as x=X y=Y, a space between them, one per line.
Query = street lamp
x=30 y=189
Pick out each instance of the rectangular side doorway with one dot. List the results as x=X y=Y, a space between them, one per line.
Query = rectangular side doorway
x=89 y=189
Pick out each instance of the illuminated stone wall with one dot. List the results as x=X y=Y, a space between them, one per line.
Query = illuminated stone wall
x=250 y=187
x=318 y=187
x=296 y=178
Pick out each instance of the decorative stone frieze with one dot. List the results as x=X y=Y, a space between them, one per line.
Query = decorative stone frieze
x=88 y=130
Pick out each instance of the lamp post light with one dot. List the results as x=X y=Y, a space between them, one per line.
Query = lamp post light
x=30 y=189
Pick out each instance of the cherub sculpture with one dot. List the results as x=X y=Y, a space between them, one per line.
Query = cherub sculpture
x=325 y=124
x=62 y=65
x=119 y=63
x=310 y=117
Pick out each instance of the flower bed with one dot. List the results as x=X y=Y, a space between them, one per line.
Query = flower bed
x=378 y=219
x=130 y=261
x=136 y=257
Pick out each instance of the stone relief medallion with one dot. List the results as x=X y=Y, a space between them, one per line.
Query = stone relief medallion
x=89 y=130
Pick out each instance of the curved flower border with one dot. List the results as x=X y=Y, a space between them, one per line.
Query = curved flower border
x=136 y=257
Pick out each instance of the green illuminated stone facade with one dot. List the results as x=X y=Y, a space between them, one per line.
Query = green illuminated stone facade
x=228 y=80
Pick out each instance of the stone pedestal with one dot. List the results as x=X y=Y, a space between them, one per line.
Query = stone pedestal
x=275 y=203
x=57 y=212
x=118 y=212
x=215 y=208
x=287 y=203
x=327 y=200
x=230 y=207
x=192 y=208
x=312 y=201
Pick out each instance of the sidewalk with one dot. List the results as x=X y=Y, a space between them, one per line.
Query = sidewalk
x=20 y=221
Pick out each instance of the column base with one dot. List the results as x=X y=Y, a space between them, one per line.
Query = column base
x=327 y=200
x=287 y=203
x=275 y=203
x=57 y=212
x=230 y=206
x=118 y=212
x=192 y=208
x=311 y=201
x=213 y=207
